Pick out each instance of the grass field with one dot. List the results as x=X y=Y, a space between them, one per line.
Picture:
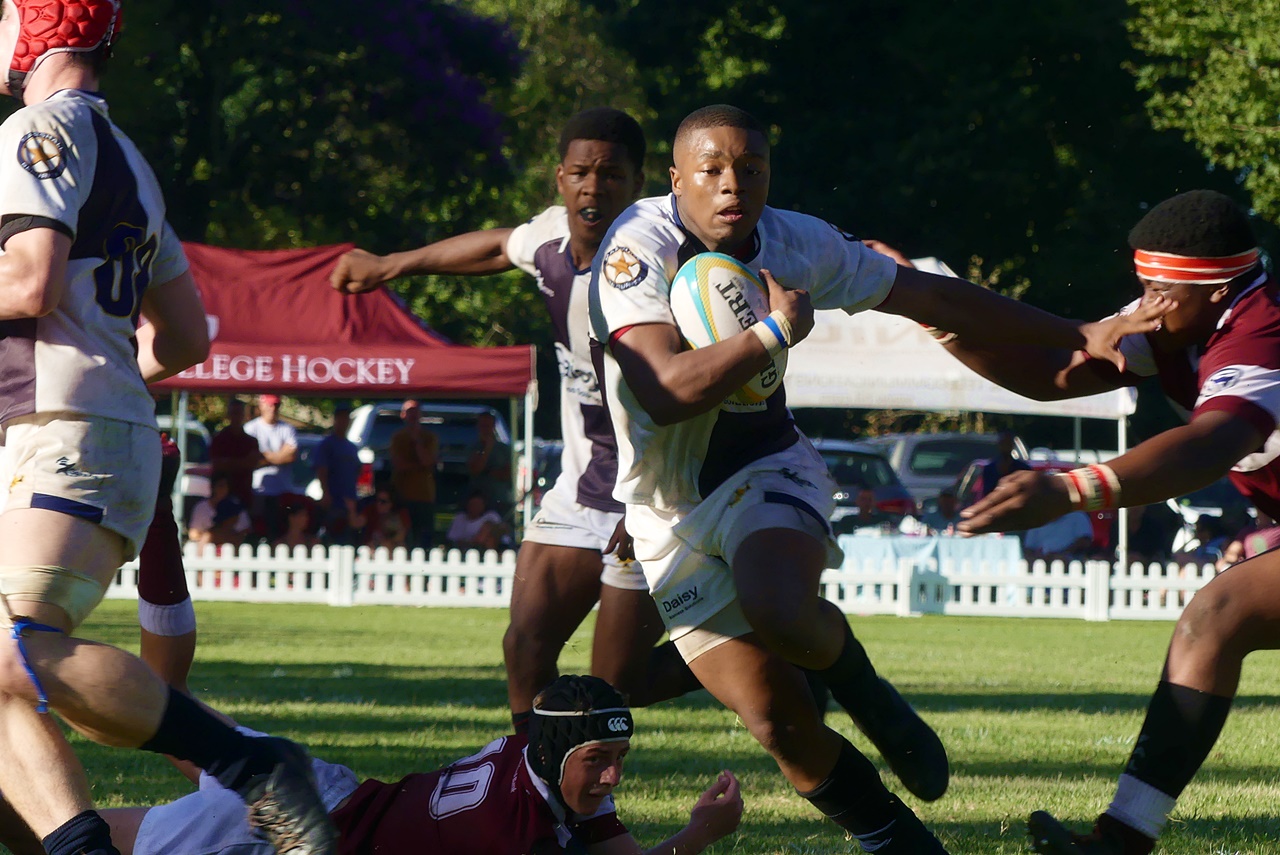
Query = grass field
x=1033 y=713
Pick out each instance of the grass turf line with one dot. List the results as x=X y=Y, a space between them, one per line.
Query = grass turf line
x=1034 y=713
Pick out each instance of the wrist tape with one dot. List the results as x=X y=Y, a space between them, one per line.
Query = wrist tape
x=774 y=332
x=1093 y=487
x=940 y=336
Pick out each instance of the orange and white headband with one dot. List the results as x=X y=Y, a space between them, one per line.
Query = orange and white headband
x=1167 y=267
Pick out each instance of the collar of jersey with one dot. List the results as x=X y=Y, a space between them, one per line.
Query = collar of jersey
x=1253 y=286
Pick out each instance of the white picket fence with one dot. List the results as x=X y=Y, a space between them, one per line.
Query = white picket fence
x=345 y=576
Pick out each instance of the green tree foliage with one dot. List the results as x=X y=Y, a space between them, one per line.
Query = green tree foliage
x=1212 y=72
x=1005 y=131
x=294 y=123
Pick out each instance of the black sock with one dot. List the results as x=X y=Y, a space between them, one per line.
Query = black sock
x=851 y=677
x=1181 y=727
x=520 y=721
x=669 y=675
x=85 y=833
x=853 y=797
x=190 y=732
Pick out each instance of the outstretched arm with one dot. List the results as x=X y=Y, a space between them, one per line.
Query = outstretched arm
x=1169 y=464
x=1039 y=373
x=472 y=254
x=716 y=814
x=976 y=314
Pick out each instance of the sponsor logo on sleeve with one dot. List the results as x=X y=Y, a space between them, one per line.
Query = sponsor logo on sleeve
x=623 y=270
x=1221 y=380
x=42 y=154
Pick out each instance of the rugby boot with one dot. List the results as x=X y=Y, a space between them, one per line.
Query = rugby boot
x=906 y=835
x=285 y=806
x=1109 y=837
x=910 y=747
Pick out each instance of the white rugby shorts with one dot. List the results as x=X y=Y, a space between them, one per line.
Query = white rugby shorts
x=561 y=521
x=686 y=556
x=214 y=821
x=105 y=471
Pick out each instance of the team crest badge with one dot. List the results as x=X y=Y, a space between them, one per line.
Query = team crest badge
x=623 y=270
x=43 y=155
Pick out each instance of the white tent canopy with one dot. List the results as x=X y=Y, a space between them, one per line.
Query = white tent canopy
x=876 y=361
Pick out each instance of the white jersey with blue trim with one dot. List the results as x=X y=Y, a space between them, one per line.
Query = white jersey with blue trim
x=65 y=166
x=673 y=467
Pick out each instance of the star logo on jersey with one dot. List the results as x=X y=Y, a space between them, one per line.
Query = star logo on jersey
x=1224 y=379
x=623 y=270
x=43 y=155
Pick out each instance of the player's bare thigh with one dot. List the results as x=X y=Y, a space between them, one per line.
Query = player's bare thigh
x=1236 y=613
x=34 y=537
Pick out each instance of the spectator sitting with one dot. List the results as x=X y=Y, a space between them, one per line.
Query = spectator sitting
x=221 y=518
x=1211 y=542
x=476 y=526
x=1262 y=535
x=943 y=519
x=868 y=514
x=1066 y=538
x=386 y=522
x=298 y=524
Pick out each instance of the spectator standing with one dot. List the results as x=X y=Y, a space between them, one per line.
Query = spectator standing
x=277 y=448
x=1003 y=463
x=1067 y=537
x=476 y=526
x=221 y=518
x=944 y=518
x=337 y=465
x=489 y=463
x=414 y=452
x=234 y=453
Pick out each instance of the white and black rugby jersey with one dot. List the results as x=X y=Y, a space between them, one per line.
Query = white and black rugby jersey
x=674 y=467
x=65 y=166
x=590 y=458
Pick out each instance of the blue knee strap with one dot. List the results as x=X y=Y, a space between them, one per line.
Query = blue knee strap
x=19 y=626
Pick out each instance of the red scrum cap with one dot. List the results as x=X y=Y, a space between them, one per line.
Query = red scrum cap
x=59 y=26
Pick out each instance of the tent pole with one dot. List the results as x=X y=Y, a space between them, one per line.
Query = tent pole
x=178 y=406
x=1122 y=518
x=1076 y=435
x=530 y=454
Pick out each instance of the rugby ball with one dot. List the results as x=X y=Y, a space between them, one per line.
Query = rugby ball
x=714 y=297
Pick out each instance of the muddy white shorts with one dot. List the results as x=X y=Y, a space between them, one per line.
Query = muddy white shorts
x=687 y=555
x=102 y=470
x=562 y=521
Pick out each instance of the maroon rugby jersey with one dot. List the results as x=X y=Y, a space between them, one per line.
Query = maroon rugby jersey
x=487 y=804
x=1236 y=371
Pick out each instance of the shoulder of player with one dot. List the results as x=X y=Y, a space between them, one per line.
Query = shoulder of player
x=648 y=228
x=549 y=224
x=797 y=227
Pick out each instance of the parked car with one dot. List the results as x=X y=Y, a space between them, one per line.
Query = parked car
x=546 y=467
x=303 y=468
x=1219 y=499
x=927 y=462
x=854 y=468
x=969 y=490
x=454 y=424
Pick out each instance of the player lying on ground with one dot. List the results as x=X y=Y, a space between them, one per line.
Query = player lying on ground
x=560 y=572
x=549 y=792
x=728 y=503
x=87 y=253
x=1217 y=356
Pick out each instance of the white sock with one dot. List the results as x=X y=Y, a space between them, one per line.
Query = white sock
x=1141 y=806
x=177 y=619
